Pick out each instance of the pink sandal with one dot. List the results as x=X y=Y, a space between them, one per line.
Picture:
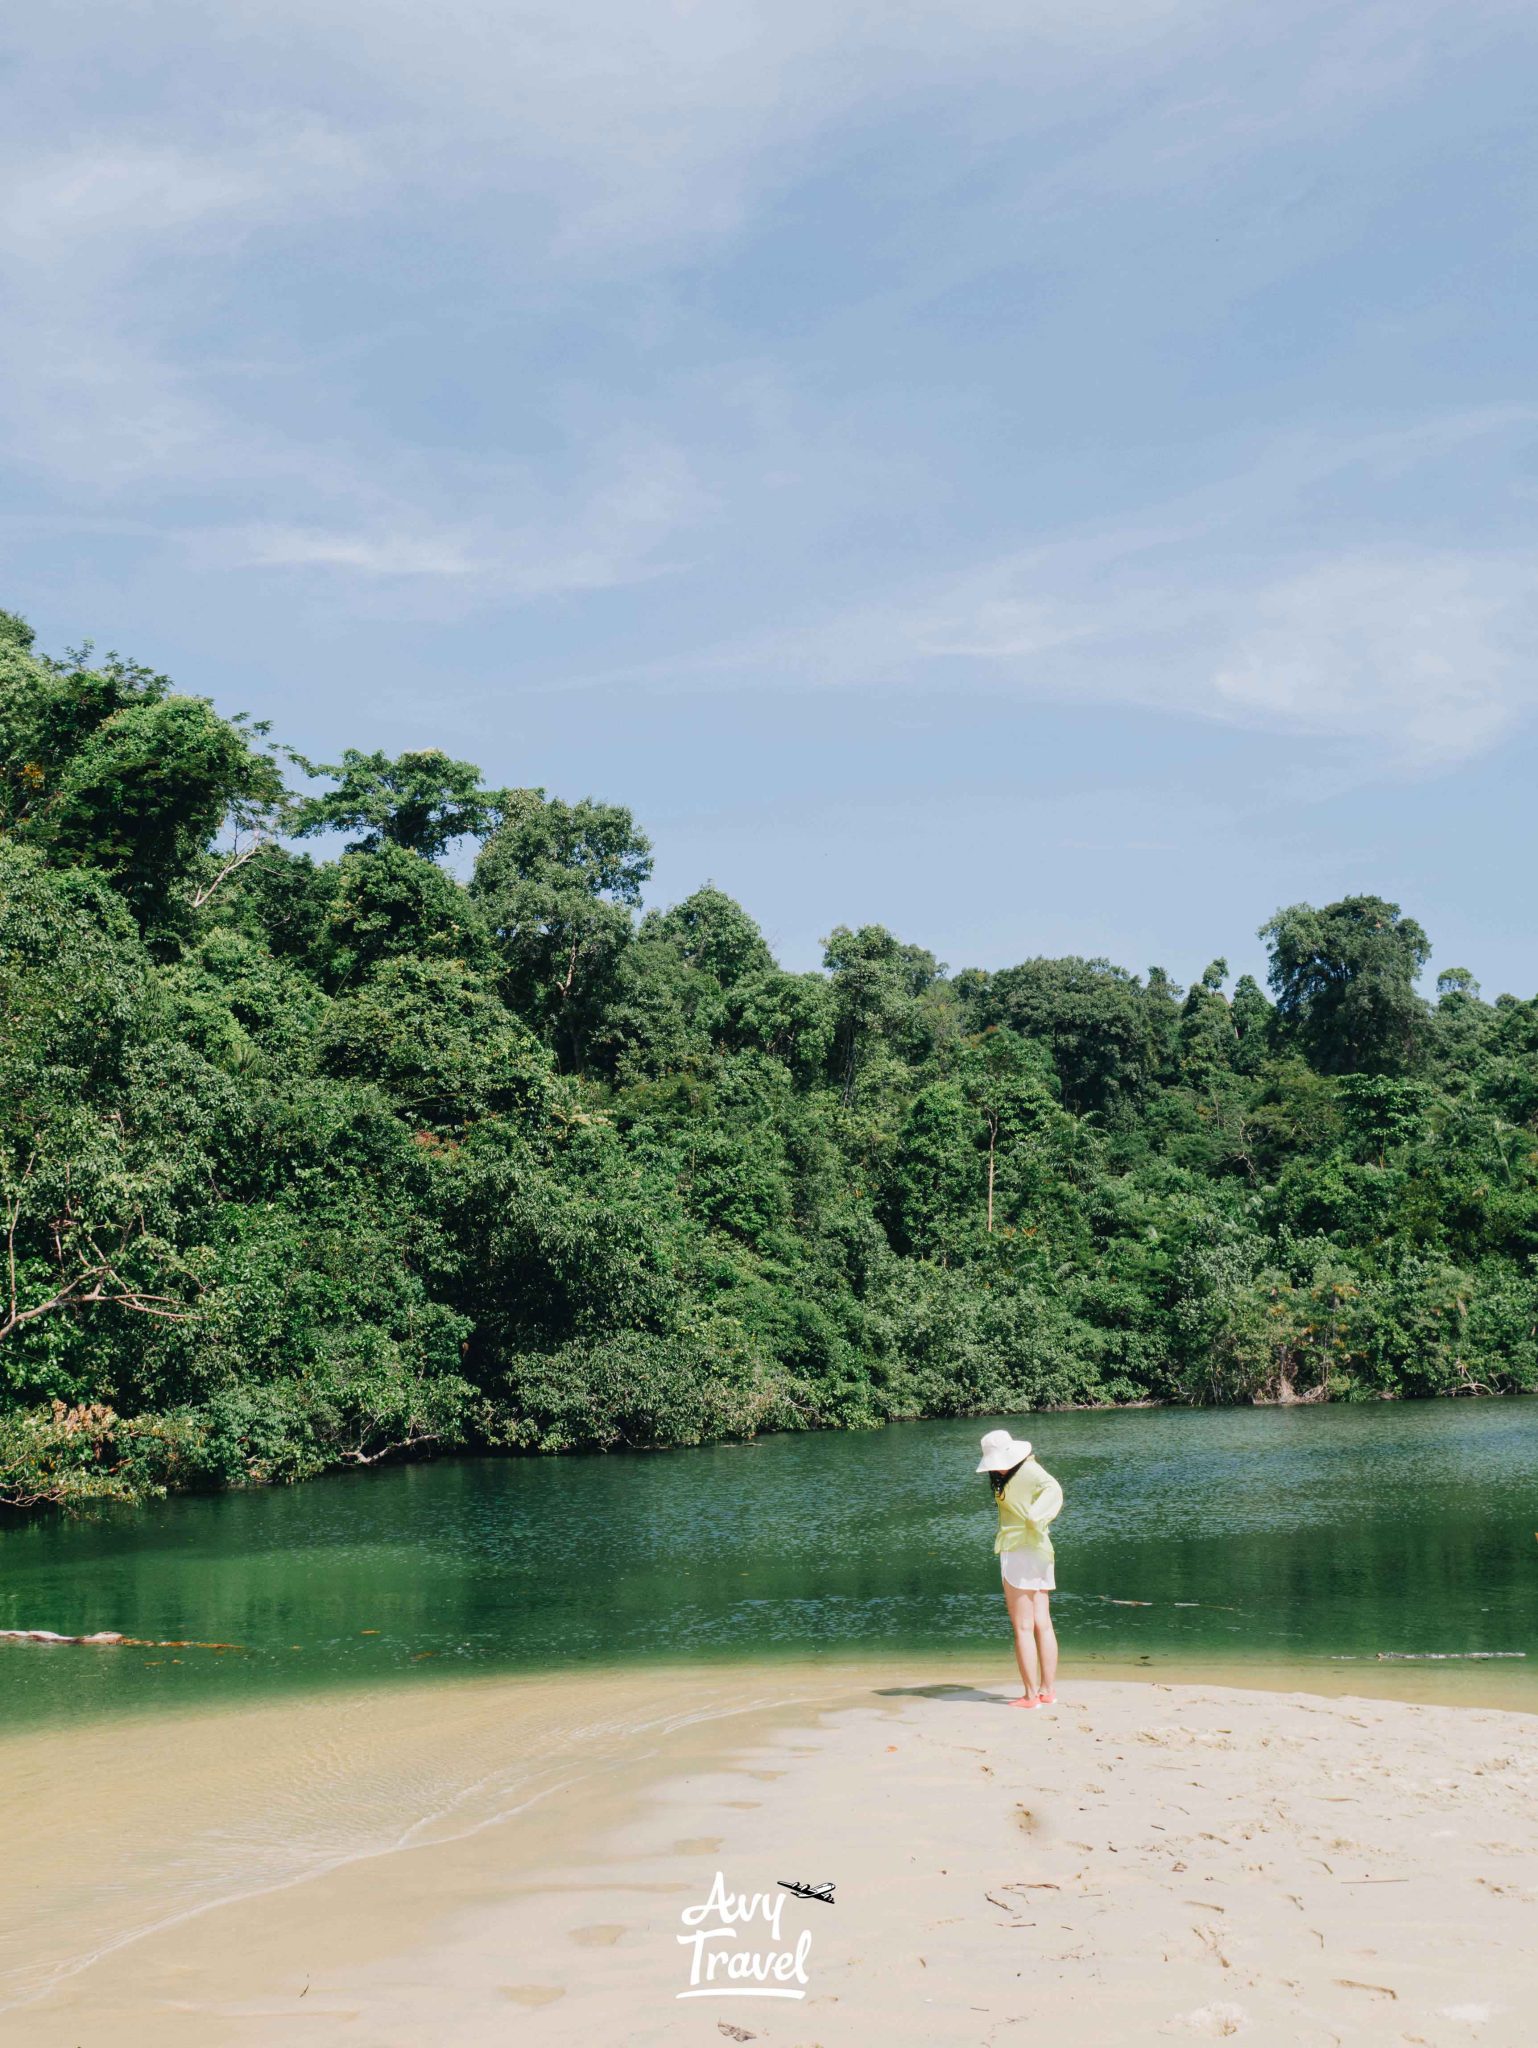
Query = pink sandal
x=1046 y=1699
x=1025 y=1700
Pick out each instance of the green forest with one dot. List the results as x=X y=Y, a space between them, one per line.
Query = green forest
x=317 y=1151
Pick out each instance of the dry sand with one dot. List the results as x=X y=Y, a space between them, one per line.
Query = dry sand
x=509 y=1861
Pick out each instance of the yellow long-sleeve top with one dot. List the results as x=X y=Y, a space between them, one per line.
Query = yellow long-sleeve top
x=1030 y=1501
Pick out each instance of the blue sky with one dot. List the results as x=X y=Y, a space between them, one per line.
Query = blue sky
x=1047 y=478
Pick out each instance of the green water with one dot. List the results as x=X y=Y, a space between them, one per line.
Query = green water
x=1255 y=1534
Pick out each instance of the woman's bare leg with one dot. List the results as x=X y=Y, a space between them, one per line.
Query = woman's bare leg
x=1022 y=1620
x=1045 y=1643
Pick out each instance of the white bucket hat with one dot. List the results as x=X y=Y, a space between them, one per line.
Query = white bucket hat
x=1001 y=1451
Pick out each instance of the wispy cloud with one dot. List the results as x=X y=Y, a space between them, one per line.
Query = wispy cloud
x=1416 y=655
x=598 y=138
x=613 y=532
x=109 y=200
x=556 y=168
x=99 y=392
x=371 y=554
x=106 y=243
x=1425 y=656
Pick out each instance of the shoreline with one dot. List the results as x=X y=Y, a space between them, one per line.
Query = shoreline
x=370 y=1835
x=17 y=1515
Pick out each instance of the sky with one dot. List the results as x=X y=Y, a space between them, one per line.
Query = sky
x=1043 y=475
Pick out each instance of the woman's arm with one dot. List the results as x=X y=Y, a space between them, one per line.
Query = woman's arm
x=1047 y=1504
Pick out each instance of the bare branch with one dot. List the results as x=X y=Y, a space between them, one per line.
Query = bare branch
x=409 y=1442
x=238 y=858
x=77 y=1293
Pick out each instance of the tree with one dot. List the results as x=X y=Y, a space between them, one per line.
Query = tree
x=714 y=934
x=557 y=884
x=668 y=997
x=108 y=768
x=76 y=986
x=434 y=1036
x=1208 y=1039
x=77 y=1225
x=935 y=1176
x=1252 y=1017
x=1344 y=980
x=1095 y=1020
x=421 y=801
x=788 y=1016
x=392 y=903
x=877 y=982
x=1008 y=1081
x=1379 y=1112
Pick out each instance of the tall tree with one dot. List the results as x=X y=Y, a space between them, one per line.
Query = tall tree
x=1008 y=1080
x=421 y=800
x=877 y=982
x=1098 y=1022
x=1208 y=1039
x=716 y=935
x=1252 y=1016
x=558 y=885
x=1344 y=980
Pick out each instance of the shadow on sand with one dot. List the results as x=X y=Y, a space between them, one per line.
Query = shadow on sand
x=974 y=1694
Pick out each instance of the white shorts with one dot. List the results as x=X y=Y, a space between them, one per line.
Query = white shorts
x=1027 y=1572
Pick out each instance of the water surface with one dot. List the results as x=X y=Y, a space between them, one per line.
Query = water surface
x=1253 y=1536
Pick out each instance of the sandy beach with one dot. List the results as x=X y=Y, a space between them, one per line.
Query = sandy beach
x=537 y=1861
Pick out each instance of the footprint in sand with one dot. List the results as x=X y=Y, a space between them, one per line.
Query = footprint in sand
x=698 y=1845
x=534 y=1994
x=596 y=1937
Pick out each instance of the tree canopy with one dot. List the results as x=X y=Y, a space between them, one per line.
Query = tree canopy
x=1344 y=981
x=312 y=1153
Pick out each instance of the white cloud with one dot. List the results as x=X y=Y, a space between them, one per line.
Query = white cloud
x=371 y=554
x=1416 y=657
x=108 y=201
x=605 y=138
x=104 y=246
x=1426 y=656
x=1419 y=655
x=601 y=537
x=1005 y=629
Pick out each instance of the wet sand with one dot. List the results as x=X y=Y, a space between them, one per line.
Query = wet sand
x=510 y=1859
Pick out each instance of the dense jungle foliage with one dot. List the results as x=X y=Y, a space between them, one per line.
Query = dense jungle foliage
x=310 y=1160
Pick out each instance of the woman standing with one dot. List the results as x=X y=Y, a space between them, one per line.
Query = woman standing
x=1029 y=1499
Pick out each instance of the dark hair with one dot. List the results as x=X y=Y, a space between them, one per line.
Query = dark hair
x=999 y=1480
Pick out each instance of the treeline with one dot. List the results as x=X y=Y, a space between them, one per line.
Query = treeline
x=311 y=1161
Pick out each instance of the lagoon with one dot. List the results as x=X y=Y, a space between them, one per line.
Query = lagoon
x=1192 y=1540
